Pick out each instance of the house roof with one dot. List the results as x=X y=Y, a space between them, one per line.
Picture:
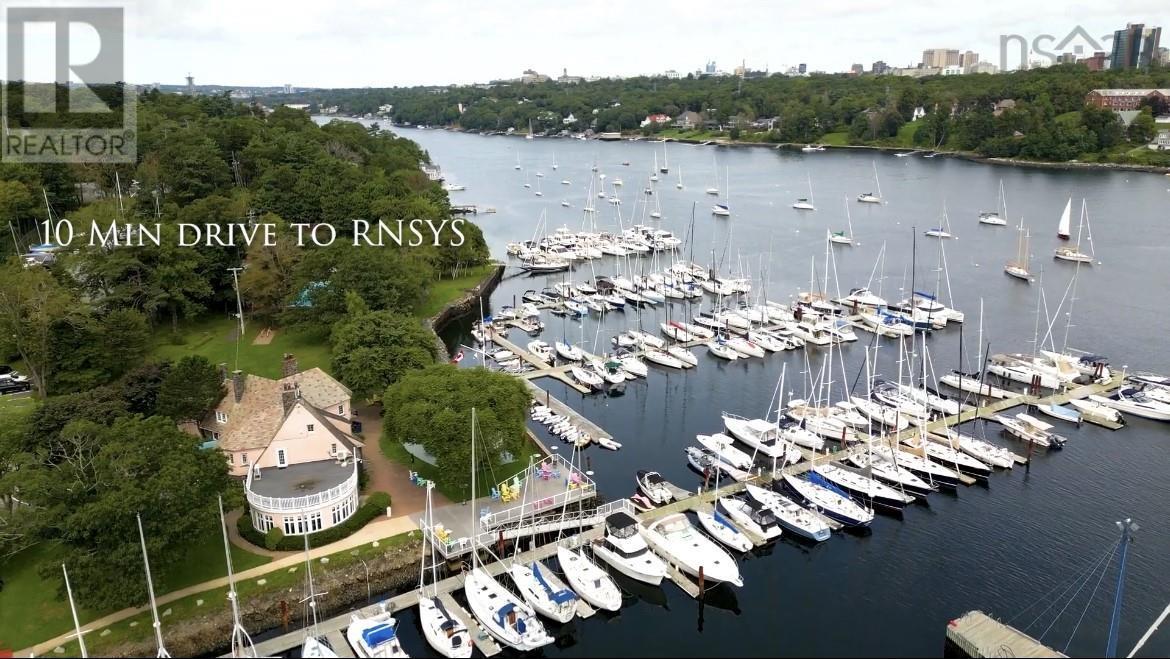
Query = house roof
x=1129 y=92
x=255 y=419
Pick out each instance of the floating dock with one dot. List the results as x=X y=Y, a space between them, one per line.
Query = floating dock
x=975 y=635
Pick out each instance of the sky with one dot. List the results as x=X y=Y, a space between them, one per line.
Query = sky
x=384 y=43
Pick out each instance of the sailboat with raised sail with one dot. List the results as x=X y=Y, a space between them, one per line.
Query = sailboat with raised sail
x=1073 y=252
x=723 y=210
x=504 y=615
x=997 y=217
x=806 y=203
x=443 y=631
x=1019 y=267
x=872 y=197
x=1063 y=226
x=162 y=649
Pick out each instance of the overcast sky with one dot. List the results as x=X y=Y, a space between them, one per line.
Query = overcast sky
x=378 y=43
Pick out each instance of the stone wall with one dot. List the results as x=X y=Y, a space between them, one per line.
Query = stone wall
x=467 y=303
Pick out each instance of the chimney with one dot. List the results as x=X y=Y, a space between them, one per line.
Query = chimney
x=238 y=384
x=288 y=365
x=288 y=396
x=223 y=372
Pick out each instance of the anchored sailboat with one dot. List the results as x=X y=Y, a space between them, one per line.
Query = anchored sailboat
x=1062 y=228
x=872 y=197
x=842 y=237
x=806 y=203
x=1073 y=252
x=1019 y=267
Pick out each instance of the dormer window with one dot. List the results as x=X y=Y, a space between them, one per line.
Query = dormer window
x=311 y=427
x=220 y=417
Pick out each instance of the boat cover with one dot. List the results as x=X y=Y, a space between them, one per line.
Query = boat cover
x=817 y=479
x=557 y=596
x=378 y=634
x=724 y=521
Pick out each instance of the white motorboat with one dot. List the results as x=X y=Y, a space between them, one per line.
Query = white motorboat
x=1021 y=370
x=541 y=350
x=724 y=447
x=569 y=352
x=721 y=210
x=674 y=538
x=720 y=349
x=443 y=631
x=760 y=434
x=544 y=592
x=751 y=515
x=1132 y=400
x=609 y=370
x=653 y=485
x=1096 y=412
x=624 y=549
x=586 y=377
x=502 y=614
x=590 y=582
x=832 y=504
x=1031 y=429
x=374 y=637
x=718 y=526
x=811 y=148
x=791 y=515
x=709 y=464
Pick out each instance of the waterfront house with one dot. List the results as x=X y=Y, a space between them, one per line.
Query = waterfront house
x=291 y=441
x=688 y=120
x=1124 y=99
x=655 y=119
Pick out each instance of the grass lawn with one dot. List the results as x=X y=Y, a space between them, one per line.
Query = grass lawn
x=13 y=407
x=1068 y=119
x=906 y=134
x=448 y=289
x=834 y=139
x=215 y=600
x=33 y=612
x=213 y=338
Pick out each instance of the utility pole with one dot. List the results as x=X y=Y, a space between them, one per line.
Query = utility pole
x=239 y=311
x=1128 y=528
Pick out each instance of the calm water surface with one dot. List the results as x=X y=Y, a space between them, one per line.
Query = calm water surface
x=1001 y=547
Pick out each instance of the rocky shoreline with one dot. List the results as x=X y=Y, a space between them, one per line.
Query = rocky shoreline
x=465 y=304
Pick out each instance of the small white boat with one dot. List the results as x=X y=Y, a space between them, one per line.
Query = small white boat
x=1136 y=402
x=375 y=637
x=609 y=370
x=502 y=614
x=663 y=358
x=744 y=346
x=1060 y=412
x=986 y=451
x=544 y=592
x=541 y=350
x=654 y=486
x=633 y=367
x=569 y=352
x=812 y=148
x=720 y=349
x=1095 y=412
x=751 y=515
x=718 y=526
x=624 y=549
x=592 y=583
x=688 y=358
x=724 y=447
x=1030 y=429
x=586 y=377
x=791 y=515
x=1019 y=267
x=674 y=538
x=721 y=210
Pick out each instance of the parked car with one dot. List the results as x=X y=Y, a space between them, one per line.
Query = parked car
x=14 y=376
x=13 y=387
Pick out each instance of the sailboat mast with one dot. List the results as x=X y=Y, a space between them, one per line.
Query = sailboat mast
x=73 y=610
x=162 y=650
x=241 y=642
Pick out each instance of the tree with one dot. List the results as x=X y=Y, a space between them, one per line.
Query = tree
x=1104 y=124
x=191 y=388
x=191 y=166
x=92 y=350
x=1142 y=130
x=91 y=480
x=32 y=303
x=374 y=349
x=140 y=387
x=267 y=283
x=433 y=406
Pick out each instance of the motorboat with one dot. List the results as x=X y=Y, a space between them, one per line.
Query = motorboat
x=609 y=370
x=443 y=631
x=1060 y=412
x=804 y=204
x=586 y=377
x=653 y=485
x=677 y=540
x=721 y=210
x=760 y=434
x=750 y=515
x=541 y=350
x=543 y=591
x=790 y=515
x=1020 y=369
x=590 y=582
x=718 y=526
x=811 y=148
x=709 y=464
x=724 y=448
x=624 y=549
x=865 y=488
x=1137 y=402
x=375 y=637
x=502 y=614
x=1096 y=412
x=826 y=500
x=1030 y=429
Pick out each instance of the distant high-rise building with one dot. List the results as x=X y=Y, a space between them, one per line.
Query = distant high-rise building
x=880 y=68
x=1135 y=46
x=1164 y=55
x=802 y=68
x=1096 y=62
x=857 y=69
x=190 y=85
x=710 y=68
x=968 y=59
x=940 y=57
x=288 y=88
x=741 y=69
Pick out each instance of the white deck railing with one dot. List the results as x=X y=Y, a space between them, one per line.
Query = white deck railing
x=302 y=503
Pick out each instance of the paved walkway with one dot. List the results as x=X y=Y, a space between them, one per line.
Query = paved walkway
x=234 y=535
x=387 y=475
x=377 y=530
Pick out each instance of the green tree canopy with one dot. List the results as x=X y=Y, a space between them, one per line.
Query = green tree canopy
x=191 y=388
x=374 y=349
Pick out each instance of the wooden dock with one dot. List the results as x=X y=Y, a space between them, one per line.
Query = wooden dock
x=579 y=420
x=976 y=634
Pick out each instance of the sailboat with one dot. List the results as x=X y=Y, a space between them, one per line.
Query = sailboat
x=1062 y=227
x=998 y=216
x=443 y=631
x=502 y=614
x=529 y=135
x=314 y=644
x=517 y=165
x=1073 y=252
x=1019 y=267
x=722 y=210
x=872 y=197
x=590 y=581
x=543 y=591
x=657 y=212
x=714 y=189
x=554 y=162
x=654 y=172
x=841 y=237
x=679 y=185
x=665 y=168
x=806 y=203
x=943 y=230
x=241 y=642
x=162 y=650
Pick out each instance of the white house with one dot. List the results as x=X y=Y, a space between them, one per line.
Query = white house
x=292 y=443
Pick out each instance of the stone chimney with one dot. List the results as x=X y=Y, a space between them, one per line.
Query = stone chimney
x=223 y=372
x=288 y=396
x=238 y=384
x=288 y=365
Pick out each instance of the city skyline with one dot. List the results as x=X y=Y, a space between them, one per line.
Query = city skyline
x=309 y=45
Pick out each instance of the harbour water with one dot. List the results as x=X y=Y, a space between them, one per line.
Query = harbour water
x=1002 y=547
